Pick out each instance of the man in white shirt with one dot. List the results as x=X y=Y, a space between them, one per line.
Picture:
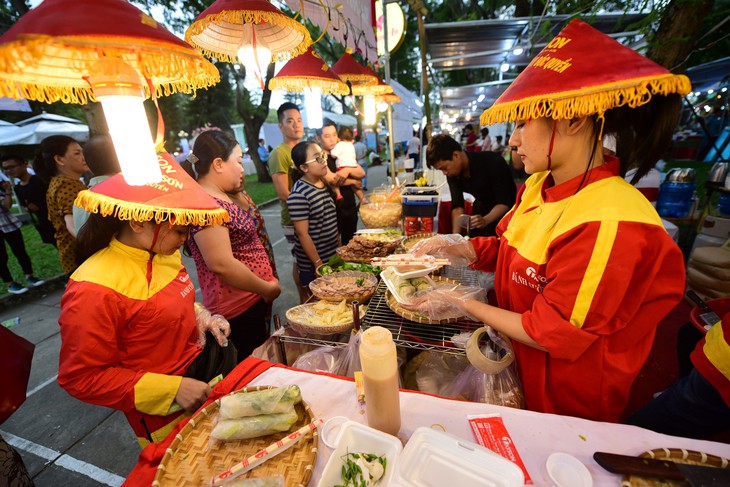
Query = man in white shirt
x=414 y=149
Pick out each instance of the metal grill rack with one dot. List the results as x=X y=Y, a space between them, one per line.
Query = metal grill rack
x=406 y=333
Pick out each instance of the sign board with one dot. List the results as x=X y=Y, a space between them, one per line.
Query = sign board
x=396 y=26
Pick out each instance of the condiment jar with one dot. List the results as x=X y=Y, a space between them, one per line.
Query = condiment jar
x=378 y=358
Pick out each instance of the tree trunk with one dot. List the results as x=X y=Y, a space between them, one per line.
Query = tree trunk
x=678 y=30
x=95 y=118
x=254 y=117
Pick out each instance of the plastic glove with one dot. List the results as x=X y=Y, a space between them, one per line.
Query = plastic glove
x=216 y=324
x=446 y=302
x=453 y=247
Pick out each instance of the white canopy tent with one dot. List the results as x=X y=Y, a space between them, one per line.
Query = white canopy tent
x=33 y=130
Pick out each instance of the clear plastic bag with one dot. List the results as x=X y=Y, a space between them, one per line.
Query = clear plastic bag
x=502 y=388
x=339 y=361
x=438 y=370
x=452 y=246
x=271 y=351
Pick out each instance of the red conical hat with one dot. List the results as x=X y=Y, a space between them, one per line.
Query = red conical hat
x=308 y=71
x=379 y=88
x=218 y=30
x=178 y=198
x=582 y=72
x=348 y=69
x=49 y=53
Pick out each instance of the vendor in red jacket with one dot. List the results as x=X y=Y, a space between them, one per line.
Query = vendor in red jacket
x=697 y=405
x=584 y=270
x=130 y=334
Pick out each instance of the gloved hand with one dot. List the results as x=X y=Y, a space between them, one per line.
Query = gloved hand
x=216 y=324
x=446 y=302
x=453 y=247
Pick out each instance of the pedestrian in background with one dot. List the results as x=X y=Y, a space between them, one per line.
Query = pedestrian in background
x=10 y=233
x=60 y=162
x=31 y=192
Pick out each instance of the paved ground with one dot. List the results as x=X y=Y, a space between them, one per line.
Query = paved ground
x=64 y=441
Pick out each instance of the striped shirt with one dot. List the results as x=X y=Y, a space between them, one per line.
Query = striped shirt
x=307 y=202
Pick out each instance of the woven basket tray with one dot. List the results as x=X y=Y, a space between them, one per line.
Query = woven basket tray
x=190 y=460
x=291 y=317
x=371 y=282
x=395 y=306
x=676 y=455
x=408 y=242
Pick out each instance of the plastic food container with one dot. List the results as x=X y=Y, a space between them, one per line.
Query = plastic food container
x=381 y=215
x=355 y=437
x=434 y=459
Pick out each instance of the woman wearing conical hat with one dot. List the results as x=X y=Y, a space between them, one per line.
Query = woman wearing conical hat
x=584 y=270
x=130 y=331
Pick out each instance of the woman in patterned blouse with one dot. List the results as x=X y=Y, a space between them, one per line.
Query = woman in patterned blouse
x=235 y=275
x=60 y=163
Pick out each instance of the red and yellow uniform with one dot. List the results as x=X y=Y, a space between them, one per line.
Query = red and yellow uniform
x=711 y=358
x=128 y=333
x=592 y=274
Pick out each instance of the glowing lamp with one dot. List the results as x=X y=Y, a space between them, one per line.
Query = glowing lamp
x=252 y=51
x=313 y=106
x=370 y=112
x=122 y=98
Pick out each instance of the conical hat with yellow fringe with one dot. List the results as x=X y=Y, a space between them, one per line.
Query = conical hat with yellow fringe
x=582 y=72
x=49 y=54
x=218 y=30
x=177 y=198
x=308 y=71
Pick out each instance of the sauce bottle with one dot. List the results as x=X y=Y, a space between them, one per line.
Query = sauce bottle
x=380 y=378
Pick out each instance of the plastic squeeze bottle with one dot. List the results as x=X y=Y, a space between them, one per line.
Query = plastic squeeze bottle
x=380 y=378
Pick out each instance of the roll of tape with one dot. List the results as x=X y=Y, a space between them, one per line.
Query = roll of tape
x=480 y=361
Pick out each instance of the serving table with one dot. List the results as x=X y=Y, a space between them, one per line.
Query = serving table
x=535 y=435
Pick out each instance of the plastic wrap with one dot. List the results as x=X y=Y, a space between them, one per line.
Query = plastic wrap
x=339 y=361
x=253 y=426
x=271 y=481
x=267 y=401
x=217 y=325
x=452 y=246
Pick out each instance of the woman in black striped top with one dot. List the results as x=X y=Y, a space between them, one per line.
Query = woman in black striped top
x=312 y=211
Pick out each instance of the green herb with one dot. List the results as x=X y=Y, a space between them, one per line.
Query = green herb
x=360 y=281
x=353 y=474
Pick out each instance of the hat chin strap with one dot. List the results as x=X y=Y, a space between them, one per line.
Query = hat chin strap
x=550 y=149
x=154 y=237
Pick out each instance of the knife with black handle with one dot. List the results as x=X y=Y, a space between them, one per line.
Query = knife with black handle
x=708 y=316
x=696 y=475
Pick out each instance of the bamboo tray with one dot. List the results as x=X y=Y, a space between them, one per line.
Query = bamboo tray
x=370 y=282
x=293 y=318
x=395 y=306
x=191 y=459
x=676 y=455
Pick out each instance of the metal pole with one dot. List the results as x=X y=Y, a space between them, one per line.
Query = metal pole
x=424 y=81
x=389 y=113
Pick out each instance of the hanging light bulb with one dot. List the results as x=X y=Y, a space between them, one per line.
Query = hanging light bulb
x=121 y=97
x=370 y=113
x=313 y=107
x=253 y=52
x=480 y=99
x=504 y=67
x=517 y=51
x=381 y=106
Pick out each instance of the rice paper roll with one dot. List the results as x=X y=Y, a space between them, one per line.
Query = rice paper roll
x=267 y=401
x=253 y=426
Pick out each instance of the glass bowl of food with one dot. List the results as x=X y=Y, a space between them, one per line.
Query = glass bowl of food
x=380 y=211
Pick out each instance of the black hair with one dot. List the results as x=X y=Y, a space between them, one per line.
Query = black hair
x=299 y=154
x=345 y=134
x=12 y=157
x=96 y=234
x=643 y=134
x=326 y=123
x=499 y=137
x=208 y=146
x=469 y=126
x=44 y=163
x=485 y=131
x=287 y=105
x=101 y=156
x=441 y=148
x=358 y=137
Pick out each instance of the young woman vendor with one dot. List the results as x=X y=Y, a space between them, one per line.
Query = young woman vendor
x=130 y=334
x=584 y=267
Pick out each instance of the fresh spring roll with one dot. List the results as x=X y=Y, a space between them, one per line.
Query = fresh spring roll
x=254 y=426
x=268 y=401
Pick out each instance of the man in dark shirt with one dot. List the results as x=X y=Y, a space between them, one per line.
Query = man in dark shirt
x=484 y=175
x=345 y=179
x=31 y=192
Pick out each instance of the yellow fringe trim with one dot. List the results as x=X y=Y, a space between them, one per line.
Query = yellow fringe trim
x=171 y=68
x=297 y=85
x=595 y=100
x=360 y=79
x=124 y=210
x=362 y=90
x=248 y=17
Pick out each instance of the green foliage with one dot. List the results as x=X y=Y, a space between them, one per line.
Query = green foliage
x=44 y=258
x=259 y=192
